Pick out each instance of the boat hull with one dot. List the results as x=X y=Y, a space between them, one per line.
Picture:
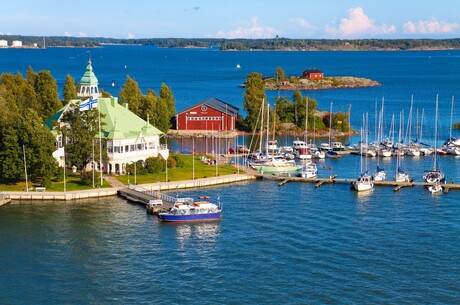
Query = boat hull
x=190 y=217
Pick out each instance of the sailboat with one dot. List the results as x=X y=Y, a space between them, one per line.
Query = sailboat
x=400 y=175
x=330 y=153
x=435 y=175
x=452 y=145
x=272 y=164
x=380 y=174
x=410 y=149
x=364 y=181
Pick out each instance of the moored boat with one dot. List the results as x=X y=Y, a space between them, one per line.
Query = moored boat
x=189 y=211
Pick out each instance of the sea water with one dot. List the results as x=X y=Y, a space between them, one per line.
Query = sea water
x=274 y=245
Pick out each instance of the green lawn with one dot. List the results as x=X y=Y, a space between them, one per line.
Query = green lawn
x=73 y=182
x=184 y=173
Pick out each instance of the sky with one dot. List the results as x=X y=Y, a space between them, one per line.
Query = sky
x=297 y=19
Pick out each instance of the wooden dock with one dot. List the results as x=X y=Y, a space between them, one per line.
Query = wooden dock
x=154 y=201
x=334 y=179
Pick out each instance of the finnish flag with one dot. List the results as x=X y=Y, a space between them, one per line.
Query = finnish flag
x=88 y=104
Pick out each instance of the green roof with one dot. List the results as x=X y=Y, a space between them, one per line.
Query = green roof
x=118 y=122
x=89 y=78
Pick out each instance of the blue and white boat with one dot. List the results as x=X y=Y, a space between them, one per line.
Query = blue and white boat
x=190 y=211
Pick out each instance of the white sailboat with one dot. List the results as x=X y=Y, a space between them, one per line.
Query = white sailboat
x=452 y=145
x=327 y=146
x=435 y=175
x=364 y=181
x=270 y=163
x=400 y=175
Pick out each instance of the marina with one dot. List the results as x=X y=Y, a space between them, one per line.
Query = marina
x=274 y=245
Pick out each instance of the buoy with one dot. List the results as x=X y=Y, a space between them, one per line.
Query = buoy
x=330 y=168
x=324 y=166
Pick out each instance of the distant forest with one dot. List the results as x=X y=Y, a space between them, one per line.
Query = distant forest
x=245 y=44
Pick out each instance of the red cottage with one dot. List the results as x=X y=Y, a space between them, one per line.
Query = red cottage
x=211 y=114
x=312 y=74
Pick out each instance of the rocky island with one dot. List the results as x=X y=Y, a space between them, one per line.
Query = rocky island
x=332 y=82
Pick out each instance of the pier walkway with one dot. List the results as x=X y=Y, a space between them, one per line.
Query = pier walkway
x=333 y=179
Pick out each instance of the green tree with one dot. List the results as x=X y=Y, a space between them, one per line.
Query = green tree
x=47 y=94
x=160 y=120
x=280 y=75
x=253 y=97
x=167 y=96
x=148 y=105
x=81 y=128
x=69 y=90
x=297 y=105
x=340 y=121
x=131 y=94
x=284 y=110
x=31 y=76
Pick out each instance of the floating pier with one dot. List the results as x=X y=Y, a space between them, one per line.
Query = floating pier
x=333 y=179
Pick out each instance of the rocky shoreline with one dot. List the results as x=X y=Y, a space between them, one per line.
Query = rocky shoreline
x=333 y=82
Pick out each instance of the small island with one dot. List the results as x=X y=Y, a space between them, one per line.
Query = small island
x=313 y=79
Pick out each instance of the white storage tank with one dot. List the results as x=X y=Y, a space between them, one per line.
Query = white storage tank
x=3 y=43
x=16 y=44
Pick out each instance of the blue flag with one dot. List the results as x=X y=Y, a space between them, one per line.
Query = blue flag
x=88 y=104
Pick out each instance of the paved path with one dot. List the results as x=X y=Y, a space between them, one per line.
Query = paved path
x=113 y=181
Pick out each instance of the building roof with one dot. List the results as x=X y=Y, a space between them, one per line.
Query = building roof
x=216 y=104
x=118 y=122
x=89 y=78
x=313 y=71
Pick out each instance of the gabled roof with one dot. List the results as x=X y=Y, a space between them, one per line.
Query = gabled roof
x=119 y=122
x=312 y=71
x=216 y=104
x=57 y=116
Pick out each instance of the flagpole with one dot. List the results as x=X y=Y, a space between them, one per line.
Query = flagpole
x=100 y=145
x=63 y=149
x=25 y=167
x=92 y=163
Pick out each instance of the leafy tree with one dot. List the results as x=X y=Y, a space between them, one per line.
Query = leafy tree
x=69 y=90
x=25 y=131
x=131 y=94
x=339 y=121
x=253 y=97
x=81 y=129
x=31 y=76
x=280 y=75
x=47 y=94
x=148 y=105
x=298 y=104
x=160 y=120
x=167 y=96
x=284 y=110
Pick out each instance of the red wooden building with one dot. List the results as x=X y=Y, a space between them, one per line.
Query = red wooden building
x=211 y=114
x=312 y=74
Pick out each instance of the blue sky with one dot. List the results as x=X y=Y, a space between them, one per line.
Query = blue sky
x=233 y=19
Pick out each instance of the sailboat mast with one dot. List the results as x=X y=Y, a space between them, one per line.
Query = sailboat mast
x=306 y=120
x=451 y=117
x=330 y=124
x=261 y=124
x=268 y=120
x=435 y=134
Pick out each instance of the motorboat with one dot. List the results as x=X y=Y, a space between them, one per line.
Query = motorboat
x=189 y=211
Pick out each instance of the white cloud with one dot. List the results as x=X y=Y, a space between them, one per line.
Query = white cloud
x=131 y=36
x=251 y=30
x=358 y=23
x=303 y=24
x=81 y=34
x=67 y=34
x=431 y=26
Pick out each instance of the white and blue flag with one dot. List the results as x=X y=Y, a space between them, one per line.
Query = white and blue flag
x=88 y=104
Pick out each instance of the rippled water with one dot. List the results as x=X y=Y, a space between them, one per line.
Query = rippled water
x=291 y=244
x=295 y=244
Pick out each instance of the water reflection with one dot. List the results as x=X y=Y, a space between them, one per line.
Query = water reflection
x=201 y=232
